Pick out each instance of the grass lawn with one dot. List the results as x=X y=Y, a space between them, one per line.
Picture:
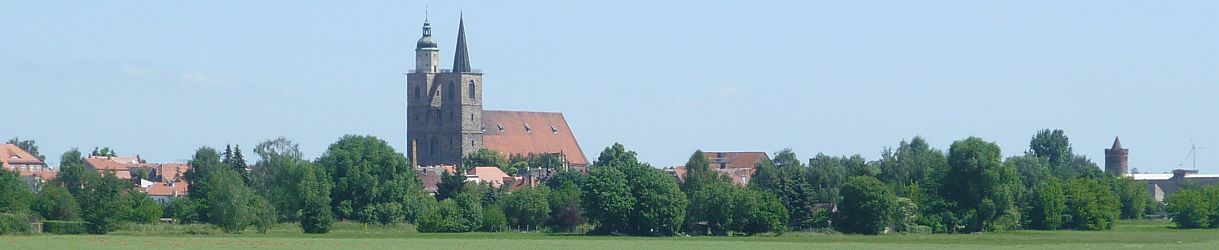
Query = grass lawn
x=1133 y=234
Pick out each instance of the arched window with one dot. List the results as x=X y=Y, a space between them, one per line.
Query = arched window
x=452 y=89
x=416 y=92
x=471 y=89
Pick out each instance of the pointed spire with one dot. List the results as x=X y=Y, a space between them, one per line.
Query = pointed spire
x=1117 y=143
x=461 y=58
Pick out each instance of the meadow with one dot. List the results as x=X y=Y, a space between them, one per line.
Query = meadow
x=1150 y=234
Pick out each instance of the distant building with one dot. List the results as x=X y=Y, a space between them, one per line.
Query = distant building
x=738 y=166
x=1159 y=186
x=162 y=181
x=32 y=170
x=446 y=120
x=1117 y=159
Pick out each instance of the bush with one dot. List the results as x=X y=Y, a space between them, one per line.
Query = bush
x=14 y=223
x=494 y=219
x=183 y=209
x=63 y=227
x=55 y=203
x=1189 y=208
x=1091 y=204
x=867 y=206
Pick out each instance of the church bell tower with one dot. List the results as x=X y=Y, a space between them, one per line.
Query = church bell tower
x=444 y=106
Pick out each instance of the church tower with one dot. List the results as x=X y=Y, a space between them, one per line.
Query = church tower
x=1117 y=161
x=444 y=106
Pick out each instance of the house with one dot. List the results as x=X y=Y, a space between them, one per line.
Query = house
x=738 y=166
x=430 y=176
x=162 y=181
x=488 y=175
x=32 y=170
x=1160 y=186
x=524 y=133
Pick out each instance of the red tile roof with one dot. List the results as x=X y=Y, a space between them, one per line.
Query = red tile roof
x=112 y=163
x=735 y=159
x=492 y=175
x=163 y=189
x=522 y=133
x=12 y=155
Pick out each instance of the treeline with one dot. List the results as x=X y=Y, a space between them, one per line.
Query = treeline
x=911 y=188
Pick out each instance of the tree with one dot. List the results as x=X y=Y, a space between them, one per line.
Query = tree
x=71 y=172
x=867 y=206
x=450 y=185
x=140 y=208
x=1189 y=208
x=15 y=196
x=365 y=171
x=699 y=173
x=183 y=210
x=1033 y=170
x=1132 y=194
x=565 y=212
x=527 y=207
x=494 y=219
x=1053 y=145
x=204 y=164
x=238 y=164
x=284 y=178
x=983 y=190
x=757 y=211
x=1091 y=204
x=713 y=206
x=660 y=206
x=56 y=203
x=909 y=165
x=105 y=151
x=607 y=199
x=315 y=216
x=100 y=199
x=29 y=146
x=486 y=158
x=231 y=205
x=1047 y=205
x=545 y=161
x=796 y=186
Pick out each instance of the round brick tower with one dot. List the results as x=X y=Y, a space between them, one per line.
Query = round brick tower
x=1117 y=159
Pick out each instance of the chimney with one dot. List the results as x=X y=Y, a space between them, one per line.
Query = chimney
x=414 y=155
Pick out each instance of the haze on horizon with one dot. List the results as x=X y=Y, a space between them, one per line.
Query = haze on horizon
x=160 y=79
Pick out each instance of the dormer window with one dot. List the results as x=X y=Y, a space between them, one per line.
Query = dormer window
x=528 y=128
x=553 y=129
x=500 y=126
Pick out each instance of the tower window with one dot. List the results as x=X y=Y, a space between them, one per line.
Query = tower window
x=416 y=92
x=471 y=89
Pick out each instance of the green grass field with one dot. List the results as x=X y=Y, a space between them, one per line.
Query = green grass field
x=1140 y=234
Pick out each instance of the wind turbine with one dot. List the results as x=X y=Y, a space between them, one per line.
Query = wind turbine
x=1193 y=152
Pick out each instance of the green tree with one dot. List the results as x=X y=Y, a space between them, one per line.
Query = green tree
x=1091 y=204
x=527 y=207
x=652 y=204
x=315 y=215
x=1053 y=145
x=758 y=211
x=183 y=210
x=100 y=200
x=140 y=208
x=227 y=202
x=366 y=171
x=450 y=185
x=29 y=146
x=983 y=190
x=660 y=206
x=284 y=178
x=1189 y=208
x=796 y=186
x=565 y=212
x=486 y=158
x=713 y=206
x=909 y=165
x=494 y=219
x=867 y=206
x=105 y=151
x=15 y=196
x=1047 y=205
x=72 y=172
x=545 y=161
x=1033 y=170
x=607 y=199
x=204 y=164
x=1133 y=196
x=54 y=202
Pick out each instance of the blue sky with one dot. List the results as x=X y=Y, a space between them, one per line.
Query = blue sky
x=160 y=78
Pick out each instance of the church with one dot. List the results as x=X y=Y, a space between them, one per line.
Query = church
x=446 y=119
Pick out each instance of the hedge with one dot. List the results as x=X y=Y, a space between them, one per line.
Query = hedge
x=11 y=223
x=63 y=227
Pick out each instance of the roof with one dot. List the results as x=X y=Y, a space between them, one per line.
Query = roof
x=1117 y=143
x=163 y=189
x=492 y=175
x=430 y=176
x=461 y=58
x=723 y=160
x=42 y=174
x=11 y=154
x=522 y=133
x=173 y=171
x=116 y=163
